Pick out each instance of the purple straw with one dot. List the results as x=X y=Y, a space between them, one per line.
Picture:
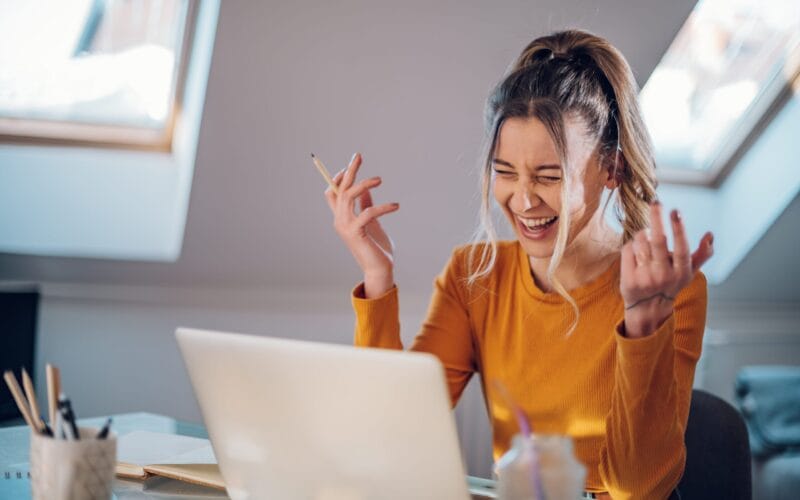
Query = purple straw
x=525 y=429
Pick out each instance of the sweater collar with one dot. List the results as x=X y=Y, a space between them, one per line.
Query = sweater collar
x=606 y=278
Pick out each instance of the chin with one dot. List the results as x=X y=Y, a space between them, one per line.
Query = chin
x=536 y=249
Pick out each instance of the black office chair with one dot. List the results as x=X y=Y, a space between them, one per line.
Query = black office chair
x=717 y=452
x=18 y=311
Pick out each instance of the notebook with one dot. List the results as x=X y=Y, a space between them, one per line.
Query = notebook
x=141 y=454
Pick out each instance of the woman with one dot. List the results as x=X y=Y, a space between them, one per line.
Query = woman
x=595 y=334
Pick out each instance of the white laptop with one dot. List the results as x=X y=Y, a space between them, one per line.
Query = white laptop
x=303 y=420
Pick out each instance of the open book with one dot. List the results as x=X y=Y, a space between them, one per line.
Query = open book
x=141 y=454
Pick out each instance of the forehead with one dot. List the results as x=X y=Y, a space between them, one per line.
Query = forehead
x=526 y=140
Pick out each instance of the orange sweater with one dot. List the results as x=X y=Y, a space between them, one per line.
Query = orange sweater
x=623 y=401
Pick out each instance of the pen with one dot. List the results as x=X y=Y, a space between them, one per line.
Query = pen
x=104 y=431
x=58 y=426
x=69 y=417
x=324 y=172
x=66 y=428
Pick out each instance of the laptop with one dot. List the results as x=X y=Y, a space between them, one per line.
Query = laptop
x=293 y=419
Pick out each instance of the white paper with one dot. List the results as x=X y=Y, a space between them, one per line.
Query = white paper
x=151 y=448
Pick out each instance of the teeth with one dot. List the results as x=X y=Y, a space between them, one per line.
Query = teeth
x=533 y=223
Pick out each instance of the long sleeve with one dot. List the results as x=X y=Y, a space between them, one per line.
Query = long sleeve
x=446 y=331
x=644 y=452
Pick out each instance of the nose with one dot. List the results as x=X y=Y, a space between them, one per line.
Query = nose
x=528 y=197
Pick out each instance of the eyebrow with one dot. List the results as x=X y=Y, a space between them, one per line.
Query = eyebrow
x=540 y=167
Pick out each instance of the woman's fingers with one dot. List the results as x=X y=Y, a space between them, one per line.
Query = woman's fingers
x=681 y=260
x=641 y=249
x=361 y=231
x=628 y=259
x=350 y=172
x=330 y=195
x=704 y=252
x=650 y=269
x=373 y=212
x=373 y=227
x=349 y=197
x=337 y=179
x=658 y=240
x=365 y=200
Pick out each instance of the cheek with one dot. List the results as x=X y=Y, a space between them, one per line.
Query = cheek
x=553 y=198
x=575 y=197
x=501 y=192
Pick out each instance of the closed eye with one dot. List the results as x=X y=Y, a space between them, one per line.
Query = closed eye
x=548 y=179
x=504 y=172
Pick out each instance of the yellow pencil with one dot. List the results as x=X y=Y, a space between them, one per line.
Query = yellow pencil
x=325 y=173
x=53 y=390
x=19 y=398
x=27 y=384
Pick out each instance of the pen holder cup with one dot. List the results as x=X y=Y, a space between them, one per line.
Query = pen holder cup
x=73 y=470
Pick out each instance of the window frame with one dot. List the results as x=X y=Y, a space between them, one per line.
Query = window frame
x=768 y=103
x=72 y=133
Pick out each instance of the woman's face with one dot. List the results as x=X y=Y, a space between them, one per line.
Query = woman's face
x=527 y=177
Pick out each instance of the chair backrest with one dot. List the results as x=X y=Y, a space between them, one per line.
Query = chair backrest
x=18 y=311
x=717 y=451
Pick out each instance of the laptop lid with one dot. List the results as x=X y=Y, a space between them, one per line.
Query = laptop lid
x=295 y=419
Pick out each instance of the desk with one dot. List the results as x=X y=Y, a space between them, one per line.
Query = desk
x=15 y=444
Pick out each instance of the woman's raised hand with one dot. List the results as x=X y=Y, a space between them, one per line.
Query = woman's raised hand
x=651 y=276
x=360 y=230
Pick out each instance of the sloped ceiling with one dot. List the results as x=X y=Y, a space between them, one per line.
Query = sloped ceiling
x=771 y=271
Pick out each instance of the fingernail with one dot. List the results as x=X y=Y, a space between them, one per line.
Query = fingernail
x=676 y=216
x=353 y=158
x=710 y=239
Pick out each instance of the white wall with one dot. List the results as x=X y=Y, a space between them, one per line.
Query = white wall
x=116 y=347
x=741 y=334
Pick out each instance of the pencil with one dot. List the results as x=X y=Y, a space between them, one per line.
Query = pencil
x=27 y=383
x=19 y=398
x=53 y=390
x=325 y=173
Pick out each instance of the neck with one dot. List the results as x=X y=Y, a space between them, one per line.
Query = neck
x=587 y=256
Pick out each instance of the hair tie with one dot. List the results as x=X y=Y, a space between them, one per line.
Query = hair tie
x=542 y=55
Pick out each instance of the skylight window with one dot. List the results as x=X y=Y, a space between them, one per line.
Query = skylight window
x=100 y=71
x=729 y=64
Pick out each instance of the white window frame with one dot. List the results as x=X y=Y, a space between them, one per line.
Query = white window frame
x=60 y=133
x=765 y=106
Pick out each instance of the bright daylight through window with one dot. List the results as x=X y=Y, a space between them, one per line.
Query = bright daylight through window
x=97 y=71
x=728 y=64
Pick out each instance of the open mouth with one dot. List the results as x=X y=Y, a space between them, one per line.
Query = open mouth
x=536 y=228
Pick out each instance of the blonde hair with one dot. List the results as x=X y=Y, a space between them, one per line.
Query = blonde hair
x=570 y=73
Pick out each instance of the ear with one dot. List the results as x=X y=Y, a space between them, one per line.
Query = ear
x=613 y=167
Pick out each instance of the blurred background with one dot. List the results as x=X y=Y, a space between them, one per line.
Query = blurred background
x=155 y=170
